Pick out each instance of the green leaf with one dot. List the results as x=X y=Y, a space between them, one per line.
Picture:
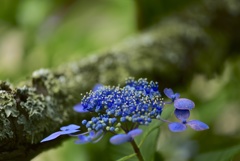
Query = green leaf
x=221 y=155
x=122 y=152
x=148 y=141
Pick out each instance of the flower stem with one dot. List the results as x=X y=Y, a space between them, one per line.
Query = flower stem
x=137 y=151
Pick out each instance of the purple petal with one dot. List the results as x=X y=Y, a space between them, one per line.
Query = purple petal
x=182 y=115
x=82 y=139
x=177 y=127
x=52 y=136
x=120 y=138
x=68 y=132
x=184 y=104
x=97 y=87
x=70 y=127
x=98 y=136
x=135 y=132
x=99 y=133
x=197 y=125
x=92 y=134
x=98 y=139
x=92 y=137
x=176 y=96
x=79 y=108
x=168 y=92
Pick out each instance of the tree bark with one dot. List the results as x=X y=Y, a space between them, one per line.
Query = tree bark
x=196 y=40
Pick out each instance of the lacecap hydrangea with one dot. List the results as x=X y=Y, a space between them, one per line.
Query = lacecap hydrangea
x=123 y=110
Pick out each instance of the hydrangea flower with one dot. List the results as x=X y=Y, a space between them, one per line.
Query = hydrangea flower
x=183 y=115
x=138 y=102
x=115 y=109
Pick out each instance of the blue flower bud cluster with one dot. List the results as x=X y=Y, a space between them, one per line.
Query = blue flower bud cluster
x=138 y=102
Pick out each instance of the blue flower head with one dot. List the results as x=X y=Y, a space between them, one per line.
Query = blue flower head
x=117 y=109
x=138 y=102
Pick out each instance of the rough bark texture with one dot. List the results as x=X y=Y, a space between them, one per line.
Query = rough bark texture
x=170 y=53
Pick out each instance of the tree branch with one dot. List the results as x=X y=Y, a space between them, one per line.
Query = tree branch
x=170 y=53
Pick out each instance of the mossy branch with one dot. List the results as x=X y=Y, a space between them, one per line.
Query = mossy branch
x=171 y=53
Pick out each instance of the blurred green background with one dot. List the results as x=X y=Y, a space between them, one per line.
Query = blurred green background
x=46 y=33
x=43 y=34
